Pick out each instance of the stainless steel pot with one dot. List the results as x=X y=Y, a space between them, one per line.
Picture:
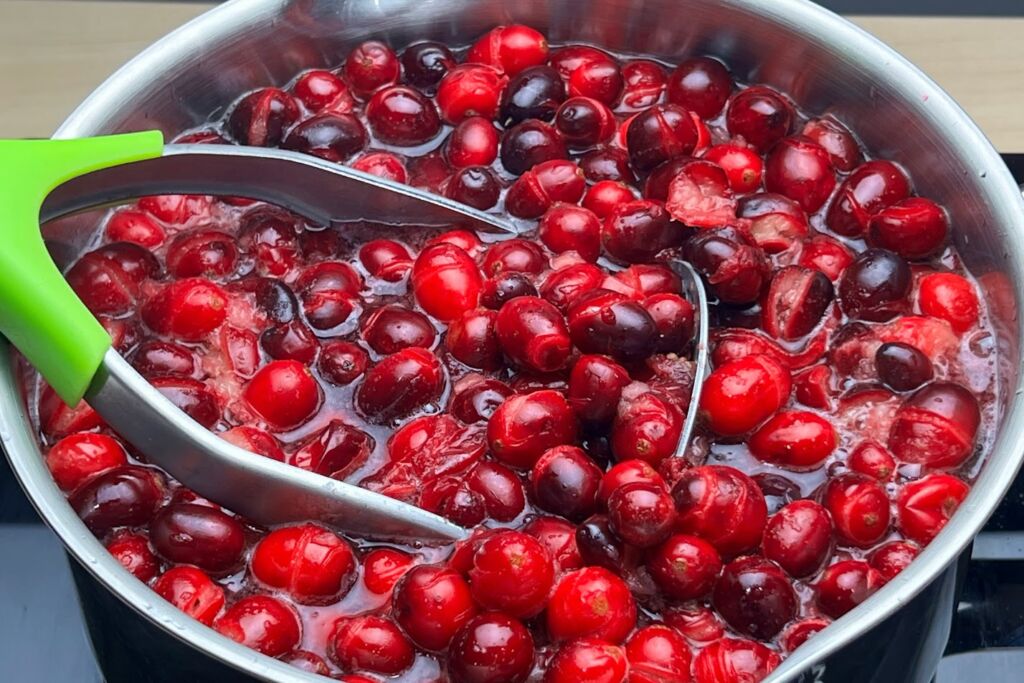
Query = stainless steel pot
x=824 y=62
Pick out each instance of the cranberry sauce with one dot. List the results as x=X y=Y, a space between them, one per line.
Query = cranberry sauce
x=535 y=388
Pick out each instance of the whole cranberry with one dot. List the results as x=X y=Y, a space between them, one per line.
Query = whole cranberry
x=383 y=567
x=610 y=323
x=739 y=395
x=470 y=90
x=510 y=48
x=533 y=334
x=185 y=533
x=936 y=426
x=892 y=558
x=565 y=285
x=647 y=425
x=761 y=115
x=607 y=163
x=514 y=255
x=795 y=439
x=644 y=81
x=801 y=170
x=123 y=496
x=432 y=604
x=873 y=186
x=914 y=228
x=924 y=506
x=949 y=297
x=491 y=647
x=272 y=298
x=701 y=85
x=473 y=340
x=392 y=328
x=291 y=340
x=591 y=602
x=799 y=537
x=846 y=584
x=529 y=143
x=78 y=457
x=284 y=393
x=533 y=93
x=132 y=552
x=605 y=195
x=262 y=623
x=860 y=508
x=474 y=186
x=511 y=558
x=734 y=660
x=585 y=122
x=636 y=231
x=566 y=227
x=876 y=286
x=628 y=472
x=673 y=320
x=734 y=267
x=526 y=425
x=386 y=259
x=755 y=597
x=873 y=460
x=322 y=90
x=398 y=115
x=205 y=253
x=590 y=72
x=537 y=189
x=902 y=367
x=663 y=132
x=474 y=142
x=559 y=537
x=840 y=144
x=564 y=480
x=657 y=653
x=188 y=309
x=335 y=137
x=400 y=384
x=499 y=487
x=595 y=386
x=721 y=505
x=311 y=563
x=369 y=66
x=599 y=546
x=446 y=281
x=192 y=591
x=370 y=643
x=684 y=567
x=424 y=64
x=126 y=225
x=261 y=118
x=587 y=660
x=341 y=362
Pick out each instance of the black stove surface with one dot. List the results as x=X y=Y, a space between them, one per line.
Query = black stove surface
x=43 y=636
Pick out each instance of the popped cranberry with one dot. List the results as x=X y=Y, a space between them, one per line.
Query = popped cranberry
x=192 y=591
x=699 y=624
x=188 y=309
x=924 y=506
x=128 y=495
x=284 y=393
x=290 y=341
x=432 y=604
x=132 y=552
x=565 y=285
x=386 y=259
x=604 y=196
x=893 y=557
x=795 y=439
x=538 y=188
x=533 y=334
x=797 y=633
x=637 y=230
x=425 y=64
x=261 y=623
x=647 y=426
x=684 y=567
x=760 y=115
x=176 y=209
x=312 y=564
x=470 y=90
x=610 y=323
x=741 y=394
x=734 y=267
x=499 y=487
x=564 y=480
x=528 y=144
x=446 y=281
x=721 y=505
x=134 y=226
x=860 y=508
x=108 y=279
x=475 y=398
x=742 y=165
x=595 y=386
x=734 y=660
x=559 y=537
x=588 y=660
x=370 y=643
x=399 y=384
x=755 y=597
x=78 y=457
x=700 y=84
x=382 y=165
x=511 y=558
x=825 y=254
x=369 y=66
x=319 y=89
x=846 y=584
x=475 y=186
x=341 y=362
x=398 y=115
x=383 y=567
x=591 y=602
x=658 y=134
x=658 y=653
x=876 y=286
x=510 y=48
x=873 y=186
x=936 y=426
x=255 y=441
x=206 y=253
x=474 y=142
x=261 y=118
x=949 y=297
x=799 y=537
x=330 y=136
x=643 y=83
x=842 y=147
x=491 y=647
x=628 y=472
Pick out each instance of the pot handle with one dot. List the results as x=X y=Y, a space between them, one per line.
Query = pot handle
x=39 y=312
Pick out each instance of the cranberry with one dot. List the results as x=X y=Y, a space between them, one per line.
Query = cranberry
x=949 y=297
x=255 y=441
x=735 y=268
x=136 y=227
x=290 y=341
x=673 y=319
x=902 y=367
x=795 y=439
x=559 y=537
x=647 y=426
x=591 y=602
x=721 y=505
x=273 y=298
x=892 y=558
x=755 y=597
x=607 y=322
x=78 y=457
x=658 y=653
x=876 y=286
x=108 y=279
x=742 y=165
x=797 y=300
x=58 y=419
x=371 y=643
x=392 y=328
x=261 y=118
x=473 y=341
x=335 y=451
x=470 y=90
x=123 y=496
x=474 y=142
x=207 y=253
x=545 y=184
x=628 y=472
x=924 y=506
x=761 y=115
x=534 y=93
x=700 y=84
x=644 y=81
x=846 y=584
x=588 y=660
x=797 y=633
x=644 y=280
x=936 y=426
x=872 y=460
x=598 y=78
x=133 y=553
x=605 y=195
x=799 y=538
x=491 y=647
x=504 y=287
x=869 y=189
x=386 y=259
x=684 y=567
x=514 y=255
x=801 y=170
x=425 y=64
x=827 y=255
x=595 y=386
x=330 y=136
x=741 y=394
x=312 y=564
x=660 y=133
x=500 y=489
x=914 y=228
x=533 y=334
x=733 y=660
x=398 y=115
x=320 y=90
x=842 y=148
x=186 y=533
x=599 y=546
x=510 y=48
x=446 y=281
x=399 y=384
x=176 y=209
x=565 y=227
x=699 y=624
x=369 y=66
x=567 y=284
x=383 y=567
x=607 y=163
x=432 y=604
x=341 y=362
x=860 y=508
x=382 y=165
x=528 y=144
x=525 y=426
x=262 y=623
x=192 y=591
x=585 y=122
x=564 y=480
x=636 y=231
x=511 y=558
x=283 y=393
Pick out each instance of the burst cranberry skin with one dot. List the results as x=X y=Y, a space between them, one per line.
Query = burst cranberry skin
x=565 y=285
x=827 y=255
x=589 y=72
x=533 y=334
x=566 y=227
x=761 y=115
x=721 y=505
x=915 y=228
x=658 y=653
x=370 y=643
x=595 y=386
x=538 y=188
x=334 y=137
x=311 y=563
x=329 y=293
x=892 y=558
x=739 y=395
x=636 y=231
x=284 y=393
x=628 y=472
x=491 y=647
x=663 y=132
x=78 y=457
x=402 y=116
x=369 y=66
x=591 y=602
x=470 y=90
x=474 y=142
x=860 y=508
x=673 y=320
x=684 y=567
x=400 y=384
x=431 y=604
x=876 y=286
x=587 y=660
x=735 y=267
x=795 y=439
x=132 y=552
x=136 y=227
x=510 y=48
x=949 y=297
x=383 y=165
x=261 y=623
x=924 y=506
x=644 y=81
x=869 y=189
x=936 y=426
x=261 y=118
x=187 y=309
x=755 y=597
x=564 y=481
x=185 y=533
x=341 y=362
x=123 y=496
x=392 y=328
x=801 y=170
x=840 y=144
x=799 y=538
x=446 y=281
x=192 y=591
x=512 y=558
x=647 y=426
x=158 y=359
x=846 y=584
x=733 y=660
x=701 y=85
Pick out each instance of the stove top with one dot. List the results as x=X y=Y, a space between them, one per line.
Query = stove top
x=43 y=636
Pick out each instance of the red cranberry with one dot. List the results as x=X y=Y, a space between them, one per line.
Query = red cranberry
x=382 y=165
x=658 y=653
x=869 y=189
x=534 y=93
x=255 y=441
x=207 y=253
x=914 y=228
x=733 y=660
x=700 y=84
x=591 y=602
x=76 y=458
x=371 y=643
x=261 y=118
x=949 y=297
x=646 y=427
x=470 y=90
x=609 y=323
x=525 y=426
x=290 y=341
x=565 y=227
x=528 y=144
x=799 y=538
x=846 y=584
x=892 y=558
x=341 y=362
x=392 y=328
x=607 y=163
x=641 y=514
x=108 y=279
x=596 y=76
x=491 y=647
x=398 y=115
x=474 y=142
x=840 y=144
x=761 y=115
x=192 y=591
x=660 y=133
x=673 y=320
x=371 y=65
x=311 y=563
x=645 y=279
x=446 y=281
x=924 y=506
x=721 y=505
x=474 y=398
x=473 y=340
x=826 y=255
x=383 y=567
x=261 y=623
x=133 y=553
x=872 y=460
x=510 y=48
x=559 y=537
x=628 y=472
x=801 y=170
x=134 y=226
x=741 y=394
x=644 y=81
x=123 y=496
x=585 y=122
x=386 y=259
x=564 y=480
x=335 y=451
x=636 y=231
x=876 y=286
x=176 y=209
x=533 y=334
x=320 y=90
x=196 y=534
x=538 y=188
x=936 y=426
x=432 y=604
x=400 y=384
x=283 y=393
x=605 y=195
x=186 y=309
x=797 y=633
x=595 y=386
x=566 y=285
x=588 y=660
x=514 y=255
x=755 y=597
x=742 y=165
x=795 y=439
x=425 y=64
x=334 y=137
x=699 y=624
x=860 y=508
x=500 y=488
x=736 y=269
x=511 y=558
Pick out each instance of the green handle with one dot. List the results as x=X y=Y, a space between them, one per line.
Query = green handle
x=39 y=312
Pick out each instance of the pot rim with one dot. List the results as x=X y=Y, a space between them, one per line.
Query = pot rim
x=881 y=61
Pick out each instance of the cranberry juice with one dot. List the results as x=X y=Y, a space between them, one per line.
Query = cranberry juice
x=534 y=388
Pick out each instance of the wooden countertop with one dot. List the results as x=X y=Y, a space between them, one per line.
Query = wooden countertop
x=54 y=52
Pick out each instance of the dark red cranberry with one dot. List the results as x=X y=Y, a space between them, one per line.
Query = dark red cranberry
x=723 y=506
x=761 y=115
x=636 y=231
x=840 y=144
x=736 y=269
x=273 y=298
x=595 y=387
x=371 y=643
x=564 y=481
x=157 y=358
x=369 y=66
x=610 y=323
x=425 y=64
x=386 y=259
x=591 y=602
x=261 y=118
x=598 y=545
x=291 y=340
x=500 y=488
x=186 y=533
x=902 y=367
x=335 y=137
x=191 y=396
x=470 y=90
x=261 y=623
x=504 y=287
x=539 y=188
x=123 y=496
x=475 y=398
x=661 y=133
x=585 y=122
x=473 y=340
x=846 y=584
x=869 y=189
x=533 y=334
x=432 y=604
x=429 y=172
x=914 y=228
x=876 y=286
x=801 y=170
x=559 y=537
x=827 y=255
x=475 y=186
x=936 y=426
x=799 y=538
x=491 y=647
x=341 y=362
x=533 y=93
x=607 y=163
x=641 y=514
x=204 y=253
x=701 y=85
x=529 y=143
x=673 y=319
x=892 y=558
x=755 y=597
x=392 y=328
x=399 y=384
x=398 y=115
x=797 y=300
